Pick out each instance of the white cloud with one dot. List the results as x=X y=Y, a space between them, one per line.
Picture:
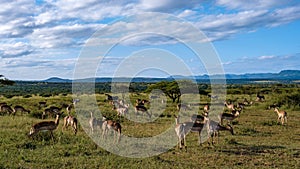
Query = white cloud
x=168 y=5
x=62 y=35
x=252 y=4
x=15 y=49
x=266 y=57
x=16 y=18
x=223 y=26
x=256 y=65
x=187 y=13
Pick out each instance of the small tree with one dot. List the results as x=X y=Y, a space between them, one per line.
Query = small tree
x=171 y=89
x=4 y=81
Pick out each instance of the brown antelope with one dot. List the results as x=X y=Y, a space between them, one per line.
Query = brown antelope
x=199 y=118
x=109 y=125
x=3 y=103
x=229 y=106
x=7 y=109
x=181 y=130
x=228 y=117
x=20 y=109
x=213 y=129
x=182 y=106
x=260 y=98
x=51 y=111
x=282 y=116
x=69 y=108
x=44 y=126
x=206 y=108
x=70 y=121
x=94 y=123
x=142 y=109
x=42 y=104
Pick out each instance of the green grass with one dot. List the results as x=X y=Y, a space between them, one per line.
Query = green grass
x=259 y=142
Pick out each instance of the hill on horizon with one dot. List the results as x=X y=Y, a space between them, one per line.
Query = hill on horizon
x=282 y=75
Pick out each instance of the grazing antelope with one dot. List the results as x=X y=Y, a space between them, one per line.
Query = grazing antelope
x=260 y=98
x=111 y=98
x=182 y=106
x=141 y=109
x=181 y=130
x=109 y=125
x=94 y=123
x=247 y=103
x=282 y=116
x=122 y=111
x=2 y=104
x=51 y=111
x=70 y=121
x=20 y=109
x=42 y=104
x=199 y=118
x=228 y=117
x=7 y=109
x=213 y=129
x=44 y=126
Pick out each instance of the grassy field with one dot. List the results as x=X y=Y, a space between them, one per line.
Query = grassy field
x=259 y=142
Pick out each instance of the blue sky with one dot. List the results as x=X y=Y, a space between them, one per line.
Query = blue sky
x=44 y=38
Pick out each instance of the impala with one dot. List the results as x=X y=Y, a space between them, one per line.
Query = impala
x=228 y=117
x=70 y=121
x=44 y=126
x=20 y=109
x=109 y=125
x=213 y=129
x=282 y=116
x=94 y=123
x=181 y=130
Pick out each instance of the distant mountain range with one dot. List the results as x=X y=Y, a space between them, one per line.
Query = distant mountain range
x=283 y=75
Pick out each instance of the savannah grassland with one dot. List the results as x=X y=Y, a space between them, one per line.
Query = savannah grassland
x=259 y=142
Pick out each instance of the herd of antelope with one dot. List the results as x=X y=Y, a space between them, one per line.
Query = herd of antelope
x=196 y=123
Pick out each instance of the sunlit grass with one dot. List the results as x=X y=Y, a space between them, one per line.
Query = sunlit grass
x=259 y=142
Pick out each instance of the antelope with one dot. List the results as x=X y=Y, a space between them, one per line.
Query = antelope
x=229 y=106
x=50 y=111
x=213 y=129
x=21 y=109
x=122 y=111
x=247 y=103
x=7 y=109
x=44 y=126
x=282 y=115
x=69 y=108
x=260 y=98
x=182 y=106
x=199 y=118
x=108 y=125
x=121 y=107
x=143 y=109
x=93 y=122
x=70 y=121
x=228 y=117
x=42 y=104
x=206 y=108
x=181 y=130
x=2 y=104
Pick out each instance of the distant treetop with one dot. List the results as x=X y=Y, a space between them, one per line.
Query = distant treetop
x=4 y=81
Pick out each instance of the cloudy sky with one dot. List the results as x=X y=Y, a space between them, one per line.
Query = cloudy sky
x=44 y=38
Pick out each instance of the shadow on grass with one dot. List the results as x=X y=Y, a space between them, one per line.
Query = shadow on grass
x=252 y=149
